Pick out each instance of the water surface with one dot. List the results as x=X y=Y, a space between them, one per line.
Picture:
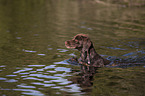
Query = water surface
x=32 y=51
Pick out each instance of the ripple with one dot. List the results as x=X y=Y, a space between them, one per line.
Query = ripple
x=89 y=28
x=47 y=81
x=74 y=88
x=32 y=71
x=24 y=76
x=29 y=51
x=18 y=37
x=57 y=87
x=50 y=48
x=23 y=70
x=51 y=71
x=61 y=81
x=23 y=73
x=55 y=80
x=134 y=53
x=115 y=48
x=40 y=69
x=5 y=89
x=1 y=78
x=41 y=75
x=11 y=80
x=45 y=85
x=62 y=50
x=41 y=54
x=63 y=69
x=49 y=45
x=33 y=78
x=62 y=75
x=11 y=75
x=61 y=62
x=65 y=82
x=129 y=54
x=72 y=54
x=30 y=92
x=141 y=51
x=3 y=66
x=50 y=67
x=44 y=76
x=83 y=27
x=36 y=65
x=25 y=86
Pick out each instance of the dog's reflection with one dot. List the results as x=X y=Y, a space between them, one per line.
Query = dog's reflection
x=85 y=75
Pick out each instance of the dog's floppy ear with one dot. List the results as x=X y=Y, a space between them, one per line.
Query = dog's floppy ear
x=86 y=46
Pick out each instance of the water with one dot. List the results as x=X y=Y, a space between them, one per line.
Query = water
x=32 y=51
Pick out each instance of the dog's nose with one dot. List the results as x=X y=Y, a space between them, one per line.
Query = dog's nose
x=66 y=42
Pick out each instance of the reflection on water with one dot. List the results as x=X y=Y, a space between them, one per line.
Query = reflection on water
x=42 y=76
x=33 y=55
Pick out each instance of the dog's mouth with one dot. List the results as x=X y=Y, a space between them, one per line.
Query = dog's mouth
x=69 y=45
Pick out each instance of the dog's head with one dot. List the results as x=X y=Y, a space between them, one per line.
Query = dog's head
x=80 y=41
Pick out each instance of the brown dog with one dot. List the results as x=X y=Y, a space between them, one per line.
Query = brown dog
x=88 y=57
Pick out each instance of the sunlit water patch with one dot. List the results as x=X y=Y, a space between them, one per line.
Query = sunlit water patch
x=40 y=77
x=29 y=51
x=30 y=92
x=41 y=54
x=62 y=50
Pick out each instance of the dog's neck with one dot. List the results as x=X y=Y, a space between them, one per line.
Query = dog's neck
x=87 y=55
x=79 y=49
x=90 y=56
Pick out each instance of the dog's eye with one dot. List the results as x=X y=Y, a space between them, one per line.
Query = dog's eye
x=76 y=41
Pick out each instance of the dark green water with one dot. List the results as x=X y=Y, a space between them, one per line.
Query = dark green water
x=32 y=51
